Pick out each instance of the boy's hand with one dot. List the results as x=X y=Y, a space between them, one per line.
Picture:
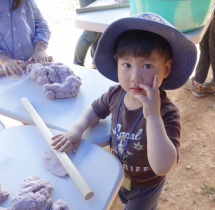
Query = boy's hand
x=39 y=57
x=12 y=67
x=63 y=141
x=151 y=103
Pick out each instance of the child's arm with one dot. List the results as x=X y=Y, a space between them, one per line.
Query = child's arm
x=73 y=136
x=39 y=55
x=162 y=154
x=11 y=66
x=42 y=35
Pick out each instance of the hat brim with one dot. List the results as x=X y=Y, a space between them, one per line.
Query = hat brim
x=184 y=50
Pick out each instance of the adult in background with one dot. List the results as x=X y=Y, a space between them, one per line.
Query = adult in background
x=87 y=39
x=197 y=84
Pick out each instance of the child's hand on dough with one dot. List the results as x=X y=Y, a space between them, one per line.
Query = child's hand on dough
x=63 y=141
x=39 y=57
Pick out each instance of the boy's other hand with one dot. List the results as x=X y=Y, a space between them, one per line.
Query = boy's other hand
x=39 y=57
x=63 y=141
x=151 y=103
x=12 y=67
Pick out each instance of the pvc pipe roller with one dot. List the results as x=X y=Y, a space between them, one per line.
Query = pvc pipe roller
x=73 y=172
x=24 y=65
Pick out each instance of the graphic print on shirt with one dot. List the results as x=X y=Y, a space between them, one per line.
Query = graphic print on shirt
x=122 y=138
x=138 y=146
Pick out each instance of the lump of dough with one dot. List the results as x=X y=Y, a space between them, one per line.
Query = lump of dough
x=3 y=195
x=36 y=184
x=48 y=204
x=48 y=73
x=68 y=89
x=59 y=205
x=58 y=80
x=33 y=195
x=52 y=164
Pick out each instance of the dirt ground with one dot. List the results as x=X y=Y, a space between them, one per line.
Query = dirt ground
x=182 y=190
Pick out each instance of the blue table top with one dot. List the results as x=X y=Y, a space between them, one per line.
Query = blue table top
x=21 y=157
x=59 y=114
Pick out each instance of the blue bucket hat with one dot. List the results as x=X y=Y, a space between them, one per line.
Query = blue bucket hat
x=184 y=50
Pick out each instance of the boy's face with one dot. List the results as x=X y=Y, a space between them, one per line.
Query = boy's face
x=135 y=70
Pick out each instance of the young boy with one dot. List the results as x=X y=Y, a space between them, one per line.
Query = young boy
x=145 y=54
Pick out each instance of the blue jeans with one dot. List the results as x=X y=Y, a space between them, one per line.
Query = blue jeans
x=87 y=39
x=141 y=198
x=207 y=55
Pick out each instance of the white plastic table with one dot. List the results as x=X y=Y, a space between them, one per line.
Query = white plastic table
x=100 y=20
x=21 y=157
x=59 y=114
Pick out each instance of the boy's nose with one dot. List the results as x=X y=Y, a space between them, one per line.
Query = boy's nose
x=136 y=77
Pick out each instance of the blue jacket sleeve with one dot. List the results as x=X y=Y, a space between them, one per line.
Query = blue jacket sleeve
x=1 y=50
x=42 y=32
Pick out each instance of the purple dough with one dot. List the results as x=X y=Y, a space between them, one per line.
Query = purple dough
x=68 y=89
x=58 y=80
x=48 y=73
x=33 y=195
x=48 y=204
x=52 y=164
x=3 y=195
x=59 y=205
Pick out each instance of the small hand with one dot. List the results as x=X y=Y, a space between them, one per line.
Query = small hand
x=63 y=141
x=39 y=57
x=12 y=67
x=151 y=103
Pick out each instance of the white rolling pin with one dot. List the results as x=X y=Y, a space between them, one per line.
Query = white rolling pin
x=62 y=156
x=24 y=65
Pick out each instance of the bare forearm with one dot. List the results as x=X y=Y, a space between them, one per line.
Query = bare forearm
x=87 y=119
x=162 y=154
x=3 y=58
x=39 y=47
x=73 y=136
x=39 y=55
